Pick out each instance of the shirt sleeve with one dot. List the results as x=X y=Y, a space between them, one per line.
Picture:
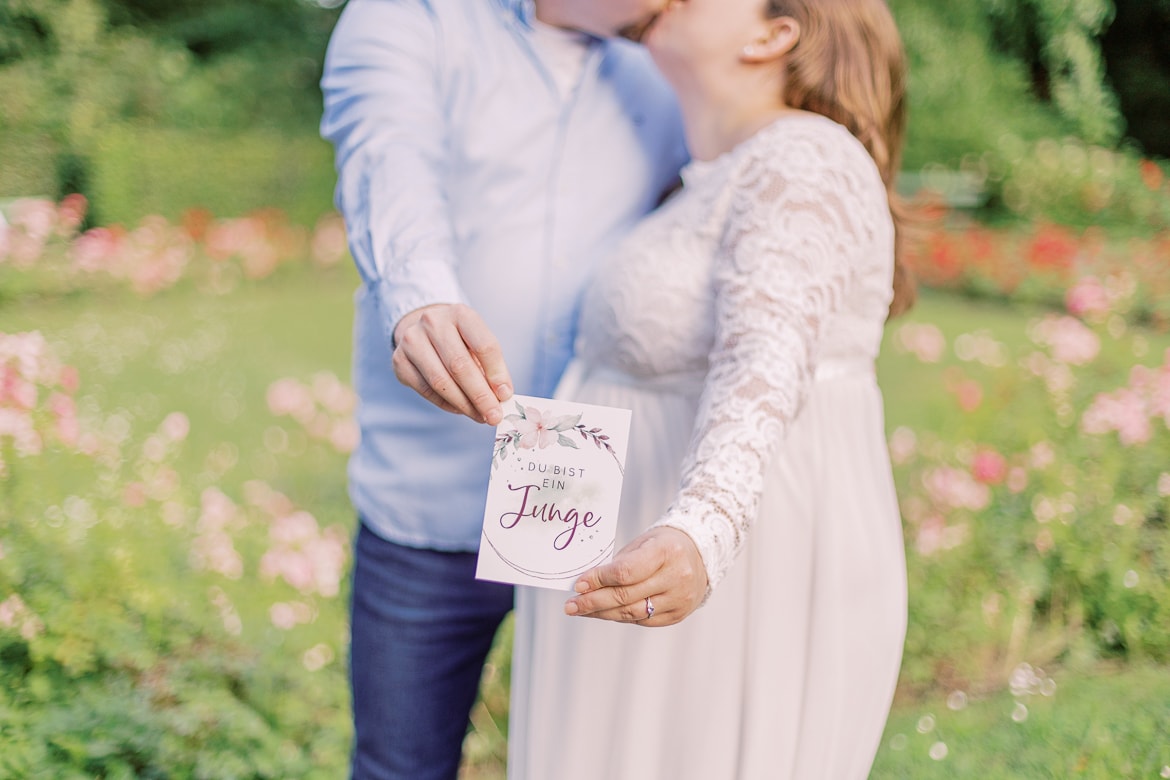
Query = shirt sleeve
x=785 y=265
x=384 y=115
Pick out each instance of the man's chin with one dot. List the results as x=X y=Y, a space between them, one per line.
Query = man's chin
x=637 y=31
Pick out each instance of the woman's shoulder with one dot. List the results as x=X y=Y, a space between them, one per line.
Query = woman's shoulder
x=804 y=144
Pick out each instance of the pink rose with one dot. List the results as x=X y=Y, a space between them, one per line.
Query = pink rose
x=989 y=467
x=1087 y=298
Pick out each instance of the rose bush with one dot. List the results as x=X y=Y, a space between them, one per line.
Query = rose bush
x=1036 y=517
x=150 y=628
x=1084 y=271
x=42 y=250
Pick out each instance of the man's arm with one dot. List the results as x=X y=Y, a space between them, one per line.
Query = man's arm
x=384 y=115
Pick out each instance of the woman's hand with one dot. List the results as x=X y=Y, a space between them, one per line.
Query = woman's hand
x=662 y=565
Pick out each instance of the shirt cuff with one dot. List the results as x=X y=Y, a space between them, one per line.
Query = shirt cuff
x=396 y=301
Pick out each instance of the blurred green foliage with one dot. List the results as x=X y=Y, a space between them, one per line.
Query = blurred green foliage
x=167 y=171
x=1059 y=556
x=142 y=664
x=1057 y=40
x=76 y=76
x=964 y=95
x=76 y=73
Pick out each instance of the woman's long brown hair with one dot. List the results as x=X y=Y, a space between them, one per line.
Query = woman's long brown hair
x=849 y=65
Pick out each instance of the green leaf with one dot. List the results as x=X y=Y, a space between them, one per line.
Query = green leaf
x=565 y=441
x=567 y=423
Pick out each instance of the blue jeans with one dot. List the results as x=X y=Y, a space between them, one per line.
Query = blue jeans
x=421 y=626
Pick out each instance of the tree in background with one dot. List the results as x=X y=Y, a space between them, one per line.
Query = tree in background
x=1137 y=56
x=78 y=77
x=1058 y=40
x=71 y=69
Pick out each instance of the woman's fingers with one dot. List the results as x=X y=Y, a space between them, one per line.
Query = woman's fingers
x=662 y=564
x=638 y=612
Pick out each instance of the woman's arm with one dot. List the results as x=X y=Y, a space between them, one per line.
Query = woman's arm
x=786 y=263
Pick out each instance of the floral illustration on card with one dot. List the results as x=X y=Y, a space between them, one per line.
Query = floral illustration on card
x=533 y=429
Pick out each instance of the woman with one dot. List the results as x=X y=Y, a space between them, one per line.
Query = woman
x=740 y=323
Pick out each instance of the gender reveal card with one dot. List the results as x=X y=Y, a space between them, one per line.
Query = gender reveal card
x=552 y=504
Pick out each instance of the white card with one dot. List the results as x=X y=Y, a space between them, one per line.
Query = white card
x=556 y=484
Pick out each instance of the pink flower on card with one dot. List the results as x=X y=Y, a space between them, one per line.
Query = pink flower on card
x=535 y=430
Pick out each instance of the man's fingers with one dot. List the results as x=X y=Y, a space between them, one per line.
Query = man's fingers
x=411 y=375
x=447 y=354
x=464 y=379
x=487 y=352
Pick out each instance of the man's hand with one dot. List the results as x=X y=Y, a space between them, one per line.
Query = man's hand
x=447 y=354
x=662 y=565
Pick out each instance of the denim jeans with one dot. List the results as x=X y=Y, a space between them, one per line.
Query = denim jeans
x=421 y=626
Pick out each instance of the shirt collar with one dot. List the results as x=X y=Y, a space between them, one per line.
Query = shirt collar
x=524 y=10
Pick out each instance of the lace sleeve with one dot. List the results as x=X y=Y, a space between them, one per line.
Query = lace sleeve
x=786 y=261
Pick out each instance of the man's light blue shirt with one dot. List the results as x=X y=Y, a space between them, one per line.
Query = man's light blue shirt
x=464 y=176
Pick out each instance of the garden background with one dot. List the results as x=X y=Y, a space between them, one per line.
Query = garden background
x=175 y=302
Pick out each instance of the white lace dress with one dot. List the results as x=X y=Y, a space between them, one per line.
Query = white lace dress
x=740 y=323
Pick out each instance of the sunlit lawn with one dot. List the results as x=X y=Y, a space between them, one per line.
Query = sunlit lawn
x=1111 y=724
x=214 y=357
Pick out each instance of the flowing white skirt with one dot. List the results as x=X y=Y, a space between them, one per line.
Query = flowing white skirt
x=787 y=672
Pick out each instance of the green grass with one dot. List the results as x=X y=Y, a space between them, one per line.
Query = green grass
x=1114 y=724
x=213 y=357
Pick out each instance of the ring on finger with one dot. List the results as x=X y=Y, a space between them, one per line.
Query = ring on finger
x=649 y=609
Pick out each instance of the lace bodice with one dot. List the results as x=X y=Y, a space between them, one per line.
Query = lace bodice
x=768 y=272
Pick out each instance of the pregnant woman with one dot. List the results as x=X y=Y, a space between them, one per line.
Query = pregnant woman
x=763 y=560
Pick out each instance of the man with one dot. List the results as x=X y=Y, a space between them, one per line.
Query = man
x=487 y=153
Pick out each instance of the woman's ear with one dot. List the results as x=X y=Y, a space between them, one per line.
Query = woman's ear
x=780 y=36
